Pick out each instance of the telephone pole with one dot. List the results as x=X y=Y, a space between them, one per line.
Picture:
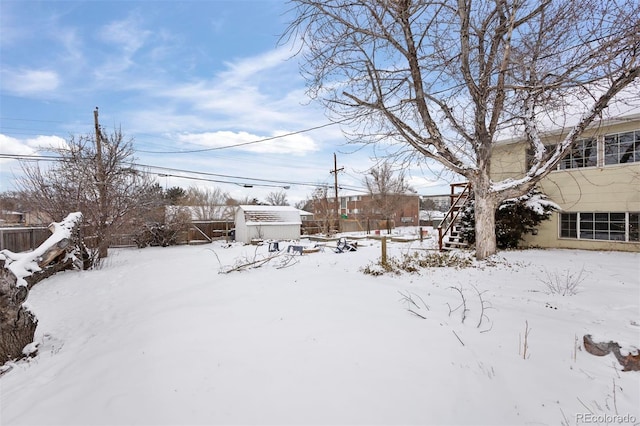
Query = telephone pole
x=335 y=185
x=101 y=182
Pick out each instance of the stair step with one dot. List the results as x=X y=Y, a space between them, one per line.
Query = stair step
x=458 y=244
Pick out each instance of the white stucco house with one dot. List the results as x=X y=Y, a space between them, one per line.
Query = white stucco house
x=267 y=223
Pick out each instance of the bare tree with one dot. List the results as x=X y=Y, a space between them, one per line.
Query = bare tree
x=323 y=208
x=123 y=193
x=386 y=191
x=277 y=198
x=244 y=201
x=207 y=203
x=445 y=79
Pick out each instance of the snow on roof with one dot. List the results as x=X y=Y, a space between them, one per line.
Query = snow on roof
x=557 y=131
x=271 y=215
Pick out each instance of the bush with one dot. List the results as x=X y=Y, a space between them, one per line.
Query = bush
x=415 y=261
x=514 y=218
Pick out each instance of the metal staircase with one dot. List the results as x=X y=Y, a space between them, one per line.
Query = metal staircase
x=450 y=231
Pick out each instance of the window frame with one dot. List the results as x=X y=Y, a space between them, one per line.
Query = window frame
x=600 y=154
x=632 y=149
x=622 y=227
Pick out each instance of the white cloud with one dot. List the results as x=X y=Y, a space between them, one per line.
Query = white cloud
x=30 y=146
x=128 y=38
x=30 y=81
x=246 y=69
x=125 y=34
x=15 y=146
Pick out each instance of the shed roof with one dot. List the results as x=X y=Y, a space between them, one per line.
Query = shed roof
x=271 y=215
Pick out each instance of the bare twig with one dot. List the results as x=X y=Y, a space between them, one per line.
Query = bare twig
x=484 y=305
x=416 y=314
x=565 y=421
x=289 y=260
x=564 y=284
x=216 y=255
x=525 y=346
x=463 y=304
x=615 y=403
x=409 y=300
x=584 y=405
x=259 y=263
x=460 y=340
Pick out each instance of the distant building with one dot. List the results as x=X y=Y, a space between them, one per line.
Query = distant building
x=440 y=202
x=363 y=210
x=267 y=223
x=8 y=217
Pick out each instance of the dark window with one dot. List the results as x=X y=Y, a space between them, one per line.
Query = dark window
x=584 y=154
x=634 y=226
x=622 y=148
x=600 y=226
x=568 y=225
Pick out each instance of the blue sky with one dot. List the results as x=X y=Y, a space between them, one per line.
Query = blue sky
x=177 y=77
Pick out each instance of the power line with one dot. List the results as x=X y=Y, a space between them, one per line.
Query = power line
x=192 y=151
x=169 y=171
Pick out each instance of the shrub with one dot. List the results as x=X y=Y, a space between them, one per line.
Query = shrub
x=415 y=261
x=514 y=218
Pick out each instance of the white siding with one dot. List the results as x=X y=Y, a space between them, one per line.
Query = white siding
x=267 y=223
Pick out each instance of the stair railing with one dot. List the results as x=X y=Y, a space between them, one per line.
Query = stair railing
x=452 y=214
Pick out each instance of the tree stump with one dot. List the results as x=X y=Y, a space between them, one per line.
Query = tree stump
x=17 y=324
x=629 y=362
x=18 y=273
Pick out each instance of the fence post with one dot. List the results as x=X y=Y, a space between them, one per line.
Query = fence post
x=384 y=250
x=1 y=239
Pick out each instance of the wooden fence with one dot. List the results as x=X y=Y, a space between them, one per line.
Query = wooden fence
x=20 y=239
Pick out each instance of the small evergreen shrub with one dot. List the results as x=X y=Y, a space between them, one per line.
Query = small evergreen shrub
x=514 y=218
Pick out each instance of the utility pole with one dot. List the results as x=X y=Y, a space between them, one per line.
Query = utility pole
x=335 y=185
x=102 y=223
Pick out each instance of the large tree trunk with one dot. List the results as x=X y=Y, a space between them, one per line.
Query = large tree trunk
x=485 y=216
x=17 y=324
x=18 y=275
x=103 y=240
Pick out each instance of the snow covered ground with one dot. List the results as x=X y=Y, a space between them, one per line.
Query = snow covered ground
x=158 y=336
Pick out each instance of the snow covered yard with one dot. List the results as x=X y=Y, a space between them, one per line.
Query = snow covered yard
x=158 y=336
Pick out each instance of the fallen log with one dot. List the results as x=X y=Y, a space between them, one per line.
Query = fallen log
x=18 y=273
x=629 y=361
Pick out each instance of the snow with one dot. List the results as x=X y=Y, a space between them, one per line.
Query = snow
x=159 y=337
x=538 y=202
x=25 y=264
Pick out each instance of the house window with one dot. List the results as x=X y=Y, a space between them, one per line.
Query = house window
x=634 y=226
x=617 y=148
x=585 y=154
x=622 y=148
x=530 y=158
x=608 y=226
x=568 y=225
x=602 y=226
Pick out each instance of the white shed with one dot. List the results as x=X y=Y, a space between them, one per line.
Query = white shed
x=267 y=223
